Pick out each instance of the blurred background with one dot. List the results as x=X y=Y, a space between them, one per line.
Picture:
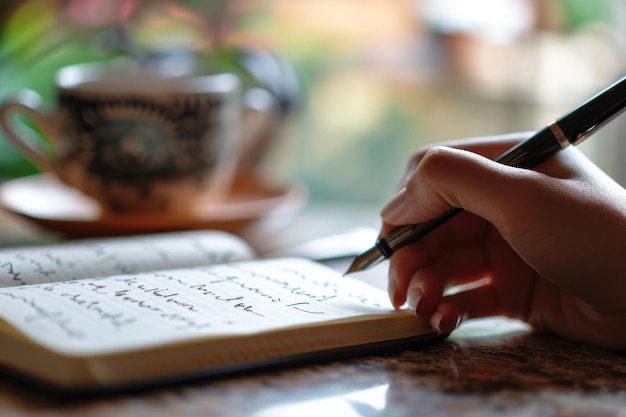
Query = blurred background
x=362 y=84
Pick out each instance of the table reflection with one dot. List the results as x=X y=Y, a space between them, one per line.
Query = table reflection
x=366 y=402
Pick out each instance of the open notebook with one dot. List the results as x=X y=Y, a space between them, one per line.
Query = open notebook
x=123 y=313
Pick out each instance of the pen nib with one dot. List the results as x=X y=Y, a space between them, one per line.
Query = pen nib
x=366 y=260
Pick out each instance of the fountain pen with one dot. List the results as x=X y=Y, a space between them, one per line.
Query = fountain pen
x=572 y=128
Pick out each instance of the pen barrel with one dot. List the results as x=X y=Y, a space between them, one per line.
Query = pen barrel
x=533 y=151
x=410 y=233
x=594 y=113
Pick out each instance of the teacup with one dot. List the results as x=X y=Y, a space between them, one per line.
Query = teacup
x=137 y=142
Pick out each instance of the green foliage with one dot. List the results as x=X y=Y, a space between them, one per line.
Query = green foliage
x=583 y=12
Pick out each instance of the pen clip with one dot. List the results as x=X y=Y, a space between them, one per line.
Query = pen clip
x=594 y=129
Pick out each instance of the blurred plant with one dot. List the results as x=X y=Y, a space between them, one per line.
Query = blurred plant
x=580 y=13
x=38 y=37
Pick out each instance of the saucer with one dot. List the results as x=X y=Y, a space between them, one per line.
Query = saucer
x=47 y=202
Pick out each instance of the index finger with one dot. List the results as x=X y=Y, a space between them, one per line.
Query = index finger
x=488 y=146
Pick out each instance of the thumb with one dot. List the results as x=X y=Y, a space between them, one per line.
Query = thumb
x=452 y=178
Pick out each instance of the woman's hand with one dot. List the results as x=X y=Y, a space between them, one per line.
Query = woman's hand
x=548 y=246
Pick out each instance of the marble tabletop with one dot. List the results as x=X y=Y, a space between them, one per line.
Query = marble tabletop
x=487 y=368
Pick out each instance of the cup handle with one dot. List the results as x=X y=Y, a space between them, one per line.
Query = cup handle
x=27 y=103
x=260 y=116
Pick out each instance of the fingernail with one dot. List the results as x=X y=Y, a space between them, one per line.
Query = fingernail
x=391 y=288
x=435 y=321
x=393 y=209
x=415 y=294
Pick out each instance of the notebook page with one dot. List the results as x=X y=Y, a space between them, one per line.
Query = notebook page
x=94 y=258
x=135 y=310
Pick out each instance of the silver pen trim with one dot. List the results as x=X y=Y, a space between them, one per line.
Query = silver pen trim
x=559 y=135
